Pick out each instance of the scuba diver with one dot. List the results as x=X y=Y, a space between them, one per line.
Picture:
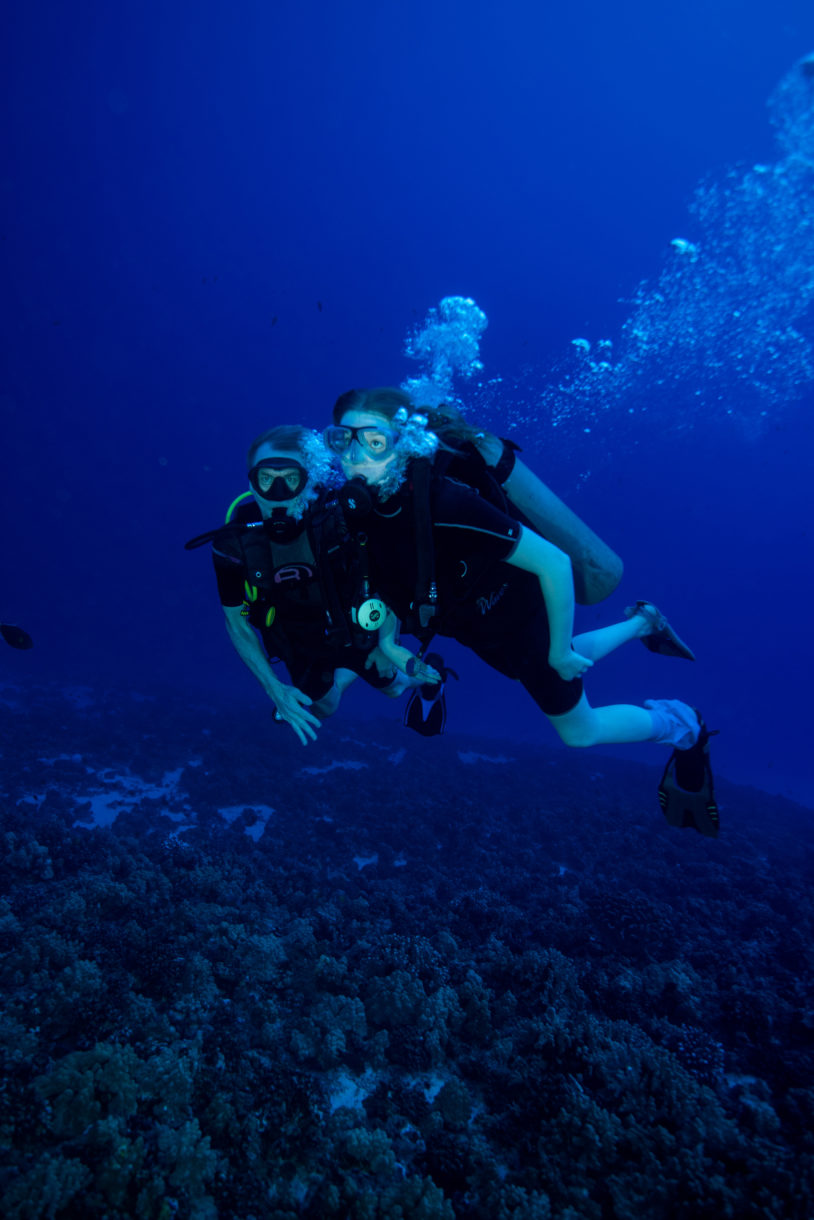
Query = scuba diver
x=448 y=561
x=289 y=571
x=15 y=636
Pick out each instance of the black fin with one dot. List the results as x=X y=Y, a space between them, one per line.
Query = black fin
x=426 y=710
x=662 y=639
x=668 y=644
x=424 y=716
x=687 y=791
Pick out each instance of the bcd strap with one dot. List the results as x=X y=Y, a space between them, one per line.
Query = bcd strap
x=327 y=539
x=425 y=603
x=507 y=460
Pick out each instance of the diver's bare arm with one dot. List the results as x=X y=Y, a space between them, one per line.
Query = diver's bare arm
x=250 y=651
x=597 y=569
x=552 y=567
x=291 y=704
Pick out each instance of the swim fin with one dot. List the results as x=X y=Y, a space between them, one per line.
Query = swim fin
x=687 y=792
x=426 y=710
x=661 y=638
x=16 y=636
x=426 y=716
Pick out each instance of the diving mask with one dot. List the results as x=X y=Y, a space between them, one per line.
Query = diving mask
x=278 y=479
x=375 y=441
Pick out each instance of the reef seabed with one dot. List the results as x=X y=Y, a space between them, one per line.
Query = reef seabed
x=388 y=978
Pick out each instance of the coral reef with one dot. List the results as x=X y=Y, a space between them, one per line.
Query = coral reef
x=314 y=987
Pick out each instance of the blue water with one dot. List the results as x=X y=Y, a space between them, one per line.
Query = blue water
x=216 y=218
x=213 y=222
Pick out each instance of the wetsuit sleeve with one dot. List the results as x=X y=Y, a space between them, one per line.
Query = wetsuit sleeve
x=230 y=574
x=460 y=511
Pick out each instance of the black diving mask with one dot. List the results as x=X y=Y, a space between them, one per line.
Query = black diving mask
x=373 y=441
x=278 y=479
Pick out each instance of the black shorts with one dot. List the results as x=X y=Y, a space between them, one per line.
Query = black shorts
x=313 y=673
x=522 y=653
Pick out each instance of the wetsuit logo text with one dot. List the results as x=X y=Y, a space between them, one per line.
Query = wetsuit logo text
x=485 y=604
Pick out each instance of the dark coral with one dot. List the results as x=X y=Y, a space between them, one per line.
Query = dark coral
x=428 y=988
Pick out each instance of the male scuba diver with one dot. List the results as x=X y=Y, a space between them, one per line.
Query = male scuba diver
x=293 y=587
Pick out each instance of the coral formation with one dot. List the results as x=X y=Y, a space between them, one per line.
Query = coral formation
x=470 y=1006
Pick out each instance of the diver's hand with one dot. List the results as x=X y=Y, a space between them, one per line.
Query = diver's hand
x=407 y=663
x=570 y=665
x=379 y=659
x=422 y=672
x=291 y=706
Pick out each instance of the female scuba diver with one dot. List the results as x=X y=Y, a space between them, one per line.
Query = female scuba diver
x=286 y=570
x=475 y=573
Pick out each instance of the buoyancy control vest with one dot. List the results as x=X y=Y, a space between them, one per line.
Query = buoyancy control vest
x=311 y=580
x=465 y=464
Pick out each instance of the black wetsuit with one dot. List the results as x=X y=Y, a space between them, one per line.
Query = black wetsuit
x=491 y=607
x=289 y=609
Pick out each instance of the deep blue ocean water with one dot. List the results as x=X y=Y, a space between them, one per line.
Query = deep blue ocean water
x=214 y=221
x=216 y=218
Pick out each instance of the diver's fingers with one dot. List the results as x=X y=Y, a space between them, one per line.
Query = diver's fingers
x=304 y=730
x=290 y=709
x=303 y=716
x=294 y=702
x=573 y=666
x=414 y=668
x=578 y=665
x=295 y=693
x=309 y=727
x=300 y=733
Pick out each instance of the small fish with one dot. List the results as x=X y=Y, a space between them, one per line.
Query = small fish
x=319 y=306
x=16 y=636
x=274 y=320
